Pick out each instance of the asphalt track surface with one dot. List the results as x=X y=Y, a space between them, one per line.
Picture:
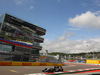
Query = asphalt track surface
x=22 y=70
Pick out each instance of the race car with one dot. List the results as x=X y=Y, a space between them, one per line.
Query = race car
x=55 y=69
x=48 y=70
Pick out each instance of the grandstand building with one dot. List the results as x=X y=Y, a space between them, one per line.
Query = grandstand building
x=19 y=40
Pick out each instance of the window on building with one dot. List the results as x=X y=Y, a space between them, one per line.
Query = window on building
x=36 y=43
x=1 y=19
x=5 y=47
x=5 y=57
x=33 y=51
x=22 y=49
x=16 y=58
x=15 y=33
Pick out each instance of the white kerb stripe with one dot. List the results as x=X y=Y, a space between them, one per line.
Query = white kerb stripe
x=36 y=74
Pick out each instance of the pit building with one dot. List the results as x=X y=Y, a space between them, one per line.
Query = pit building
x=19 y=40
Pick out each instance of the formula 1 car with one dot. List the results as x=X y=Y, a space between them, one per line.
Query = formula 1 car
x=55 y=69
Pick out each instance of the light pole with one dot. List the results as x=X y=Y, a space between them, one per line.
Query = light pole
x=87 y=49
x=95 y=45
x=93 y=51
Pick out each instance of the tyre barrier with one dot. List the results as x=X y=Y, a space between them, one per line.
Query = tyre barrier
x=9 y=63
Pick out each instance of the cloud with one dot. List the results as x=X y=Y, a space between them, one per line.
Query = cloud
x=74 y=29
x=65 y=45
x=31 y=7
x=88 y=20
x=72 y=46
x=96 y=2
x=90 y=4
x=25 y=3
x=97 y=13
x=58 y=0
x=19 y=2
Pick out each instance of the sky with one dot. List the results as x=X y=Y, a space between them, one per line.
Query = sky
x=72 y=26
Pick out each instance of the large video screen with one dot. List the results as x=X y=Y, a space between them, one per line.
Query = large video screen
x=17 y=32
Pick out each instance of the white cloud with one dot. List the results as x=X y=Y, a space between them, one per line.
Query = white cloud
x=91 y=5
x=23 y=2
x=75 y=29
x=27 y=3
x=31 y=7
x=88 y=19
x=19 y=2
x=72 y=46
x=97 y=13
x=58 y=0
x=96 y=2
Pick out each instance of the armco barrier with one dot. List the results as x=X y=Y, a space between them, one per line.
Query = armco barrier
x=9 y=63
x=93 y=61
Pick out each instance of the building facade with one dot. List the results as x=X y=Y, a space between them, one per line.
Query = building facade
x=19 y=40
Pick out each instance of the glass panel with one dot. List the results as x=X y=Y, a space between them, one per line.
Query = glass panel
x=37 y=35
x=5 y=57
x=25 y=58
x=1 y=19
x=34 y=51
x=16 y=58
x=15 y=33
x=13 y=57
x=0 y=25
x=50 y=59
x=36 y=43
x=22 y=49
x=5 y=47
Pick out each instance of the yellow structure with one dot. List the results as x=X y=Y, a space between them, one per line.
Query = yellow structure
x=93 y=61
x=9 y=63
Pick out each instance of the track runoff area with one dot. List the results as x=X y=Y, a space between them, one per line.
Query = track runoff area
x=87 y=71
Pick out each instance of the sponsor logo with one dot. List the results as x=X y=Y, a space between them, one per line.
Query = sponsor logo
x=43 y=64
x=26 y=64
x=5 y=63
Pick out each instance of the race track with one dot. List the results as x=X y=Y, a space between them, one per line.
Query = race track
x=22 y=70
